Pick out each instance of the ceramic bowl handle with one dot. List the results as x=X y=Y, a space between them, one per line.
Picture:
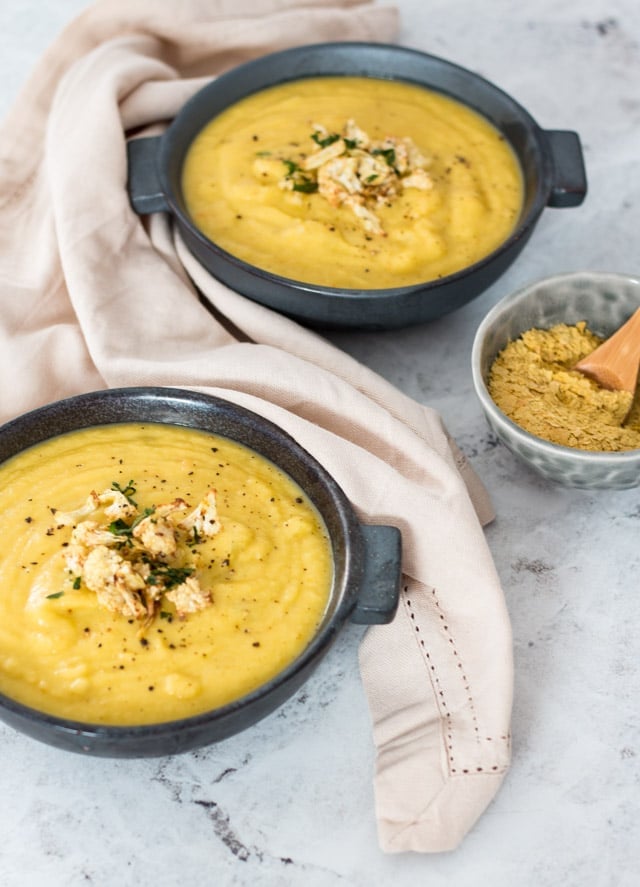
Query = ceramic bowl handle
x=380 y=587
x=570 y=179
x=145 y=191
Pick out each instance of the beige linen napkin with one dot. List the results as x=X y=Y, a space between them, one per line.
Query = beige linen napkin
x=93 y=297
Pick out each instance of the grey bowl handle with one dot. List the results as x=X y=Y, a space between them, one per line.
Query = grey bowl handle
x=145 y=191
x=570 y=178
x=380 y=589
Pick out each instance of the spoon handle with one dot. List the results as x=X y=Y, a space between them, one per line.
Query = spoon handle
x=614 y=364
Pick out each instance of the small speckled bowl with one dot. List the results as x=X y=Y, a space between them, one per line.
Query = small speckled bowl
x=605 y=301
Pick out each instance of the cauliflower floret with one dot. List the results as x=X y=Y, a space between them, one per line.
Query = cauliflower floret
x=156 y=533
x=115 y=582
x=115 y=503
x=335 y=149
x=373 y=171
x=417 y=160
x=400 y=161
x=342 y=171
x=189 y=597
x=66 y=518
x=320 y=130
x=74 y=559
x=86 y=536
x=371 y=222
x=90 y=533
x=418 y=179
x=204 y=518
x=354 y=134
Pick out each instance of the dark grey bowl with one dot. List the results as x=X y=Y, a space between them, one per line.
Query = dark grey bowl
x=551 y=162
x=366 y=562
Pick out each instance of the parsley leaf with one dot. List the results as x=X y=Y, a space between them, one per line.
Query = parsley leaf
x=120 y=527
x=166 y=576
x=325 y=141
x=307 y=186
x=389 y=155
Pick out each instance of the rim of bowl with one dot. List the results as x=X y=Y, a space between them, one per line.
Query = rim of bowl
x=316 y=647
x=525 y=221
x=489 y=405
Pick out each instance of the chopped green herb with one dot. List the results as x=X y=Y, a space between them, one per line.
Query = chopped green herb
x=166 y=576
x=127 y=491
x=299 y=181
x=325 y=141
x=57 y=594
x=307 y=186
x=120 y=527
x=77 y=582
x=389 y=155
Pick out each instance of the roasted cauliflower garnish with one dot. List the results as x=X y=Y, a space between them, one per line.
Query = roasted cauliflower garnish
x=134 y=559
x=116 y=583
x=84 y=537
x=189 y=597
x=68 y=518
x=203 y=520
x=353 y=170
x=90 y=533
x=156 y=533
x=114 y=502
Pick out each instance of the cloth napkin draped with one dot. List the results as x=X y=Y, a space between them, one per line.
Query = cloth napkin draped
x=94 y=297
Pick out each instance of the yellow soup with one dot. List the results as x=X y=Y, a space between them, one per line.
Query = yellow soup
x=415 y=185
x=266 y=575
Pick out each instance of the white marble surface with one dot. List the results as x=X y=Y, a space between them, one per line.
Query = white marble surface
x=290 y=802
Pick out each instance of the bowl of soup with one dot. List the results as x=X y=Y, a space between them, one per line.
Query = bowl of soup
x=173 y=569
x=355 y=184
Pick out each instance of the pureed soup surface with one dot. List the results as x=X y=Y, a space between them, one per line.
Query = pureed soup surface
x=251 y=183
x=268 y=570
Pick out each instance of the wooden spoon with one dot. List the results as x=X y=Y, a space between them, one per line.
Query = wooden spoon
x=614 y=364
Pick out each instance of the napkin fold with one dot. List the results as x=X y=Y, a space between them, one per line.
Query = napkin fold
x=93 y=297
